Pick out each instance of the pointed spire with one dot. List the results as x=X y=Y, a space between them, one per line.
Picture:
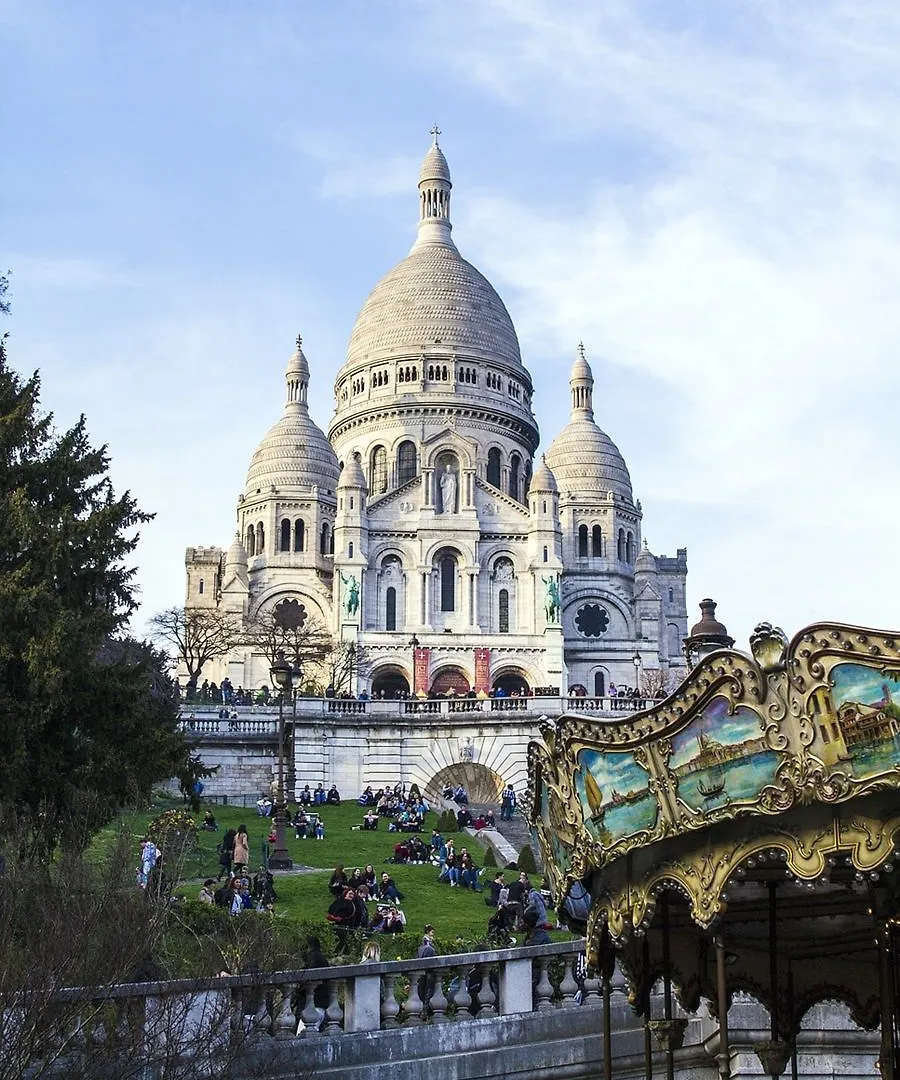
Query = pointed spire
x=434 y=196
x=581 y=383
x=297 y=377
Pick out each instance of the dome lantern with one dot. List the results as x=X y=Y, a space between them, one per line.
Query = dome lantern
x=434 y=196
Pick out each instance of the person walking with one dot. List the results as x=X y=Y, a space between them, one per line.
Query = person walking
x=226 y=854
x=241 y=853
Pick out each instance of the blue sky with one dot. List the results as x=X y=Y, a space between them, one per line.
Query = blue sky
x=705 y=194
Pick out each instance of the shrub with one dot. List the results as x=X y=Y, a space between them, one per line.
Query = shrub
x=448 y=823
x=490 y=859
x=526 y=860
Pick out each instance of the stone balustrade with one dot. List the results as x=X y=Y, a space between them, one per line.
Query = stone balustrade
x=214 y=1016
x=263 y=719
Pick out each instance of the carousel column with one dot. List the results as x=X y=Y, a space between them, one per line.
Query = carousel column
x=724 y=1055
x=887 y=1057
x=648 y=994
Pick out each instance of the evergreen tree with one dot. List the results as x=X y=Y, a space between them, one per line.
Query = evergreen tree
x=84 y=723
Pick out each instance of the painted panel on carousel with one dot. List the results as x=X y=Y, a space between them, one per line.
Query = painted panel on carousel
x=562 y=857
x=615 y=795
x=859 y=728
x=720 y=759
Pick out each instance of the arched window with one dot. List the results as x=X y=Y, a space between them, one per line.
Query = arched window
x=596 y=541
x=251 y=541
x=407 y=465
x=503 y=611
x=515 y=464
x=378 y=478
x=350 y=550
x=671 y=596
x=260 y=538
x=448 y=583
x=323 y=539
x=390 y=612
x=546 y=553
x=620 y=546
x=200 y=589
x=599 y=684
x=629 y=548
x=285 y=535
x=582 y=541
x=299 y=535
x=493 y=468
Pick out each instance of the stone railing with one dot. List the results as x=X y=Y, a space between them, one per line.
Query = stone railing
x=263 y=719
x=213 y=1017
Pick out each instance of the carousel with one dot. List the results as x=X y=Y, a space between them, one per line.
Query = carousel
x=740 y=838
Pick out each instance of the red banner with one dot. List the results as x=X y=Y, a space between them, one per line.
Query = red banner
x=421 y=669
x=482 y=670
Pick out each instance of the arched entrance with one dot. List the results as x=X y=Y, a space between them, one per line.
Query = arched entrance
x=511 y=682
x=482 y=784
x=450 y=680
x=390 y=681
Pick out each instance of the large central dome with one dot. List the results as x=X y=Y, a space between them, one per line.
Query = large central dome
x=433 y=298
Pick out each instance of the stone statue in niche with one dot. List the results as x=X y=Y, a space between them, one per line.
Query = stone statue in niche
x=504 y=570
x=351 y=593
x=448 y=490
x=551 y=599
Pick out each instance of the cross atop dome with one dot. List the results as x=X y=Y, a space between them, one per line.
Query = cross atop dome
x=299 y=341
x=435 y=131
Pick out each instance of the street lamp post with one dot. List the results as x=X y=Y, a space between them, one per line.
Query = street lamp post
x=636 y=660
x=413 y=644
x=283 y=675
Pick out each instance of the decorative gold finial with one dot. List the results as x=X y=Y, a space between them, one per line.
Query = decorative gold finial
x=435 y=131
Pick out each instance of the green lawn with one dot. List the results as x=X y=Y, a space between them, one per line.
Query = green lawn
x=455 y=913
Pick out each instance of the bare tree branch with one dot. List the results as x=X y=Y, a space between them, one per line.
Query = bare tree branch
x=197 y=635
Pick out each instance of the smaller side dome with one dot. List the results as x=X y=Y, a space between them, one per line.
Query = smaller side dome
x=352 y=475
x=543 y=479
x=646 y=561
x=236 y=558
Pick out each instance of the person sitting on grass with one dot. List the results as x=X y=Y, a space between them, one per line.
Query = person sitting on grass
x=496 y=886
x=370 y=820
x=468 y=872
x=338 y=883
x=320 y=829
x=333 y=798
x=370 y=877
x=418 y=853
x=450 y=870
x=401 y=852
x=301 y=824
x=306 y=796
x=387 y=889
x=319 y=795
x=207 y=893
x=388 y=920
x=209 y=823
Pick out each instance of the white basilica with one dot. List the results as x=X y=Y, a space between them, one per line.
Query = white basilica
x=425 y=526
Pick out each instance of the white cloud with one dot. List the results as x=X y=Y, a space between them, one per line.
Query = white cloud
x=747 y=270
